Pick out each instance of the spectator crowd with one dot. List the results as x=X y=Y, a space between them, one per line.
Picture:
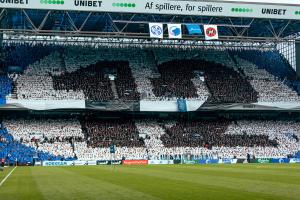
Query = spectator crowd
x=107 y=74
x=49 y=139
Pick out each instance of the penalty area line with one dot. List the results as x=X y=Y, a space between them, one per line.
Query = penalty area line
x=7 y=176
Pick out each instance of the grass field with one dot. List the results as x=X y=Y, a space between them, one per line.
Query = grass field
x=254 y=181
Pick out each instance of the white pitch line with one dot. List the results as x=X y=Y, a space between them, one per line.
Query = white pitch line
x=7 y=176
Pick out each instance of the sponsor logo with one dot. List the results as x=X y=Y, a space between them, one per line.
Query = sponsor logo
x=160 y=162
x=57 y=163
x=175 y=31
x=226 y=161
x=268 y=11
x=116 y=162
x=87 y=3
x=261 y=160
x=208 y=161
x=109 y=162
x=80 y=162
x=156 y=30
x=135 y=162
x=211 y=32
x=102 y=162
x=14 y=1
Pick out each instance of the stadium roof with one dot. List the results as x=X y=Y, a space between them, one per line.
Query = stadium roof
x=59 y=22
x=281 y=2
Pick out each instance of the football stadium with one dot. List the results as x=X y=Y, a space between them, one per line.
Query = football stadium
x=149 y=99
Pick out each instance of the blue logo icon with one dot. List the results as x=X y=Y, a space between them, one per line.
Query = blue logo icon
x=156 y=30
x=175 y=31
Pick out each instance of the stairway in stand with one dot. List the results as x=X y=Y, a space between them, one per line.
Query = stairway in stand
x=114 y=89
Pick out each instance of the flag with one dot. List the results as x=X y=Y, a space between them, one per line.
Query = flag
x=211 y=32
x=174 y=31
x=156 y=30
x=194 y=29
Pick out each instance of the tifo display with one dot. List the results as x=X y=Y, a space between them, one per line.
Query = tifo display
x=88 y=141
x=202 y=78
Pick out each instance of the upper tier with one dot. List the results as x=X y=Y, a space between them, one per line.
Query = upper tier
x=146 y=79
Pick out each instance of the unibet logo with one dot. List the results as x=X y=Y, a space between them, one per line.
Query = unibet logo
x=52 y=2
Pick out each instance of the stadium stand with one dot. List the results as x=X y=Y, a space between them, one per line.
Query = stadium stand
x=24 y=153
x=224 y=84
x=124 y=74
x=90 y=80
x=102 y=133
x=5 y=88
x=269 y=88
x=67 y=139
x=271 y=61
x=24 y=55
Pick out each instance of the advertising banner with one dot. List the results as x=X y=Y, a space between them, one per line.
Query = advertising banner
x=38 y=163
x=177 y=161
x=57 y=163
x=80 y=162
x=241 y=160
x=115 y=162
x=102 y=162
x=295 y=160
x=189 y=162
x=160 y=162
x=135 y=162
x=109 y=162
x=280 y=160
x=198 y=8
x=91 y=162
x=208 y=161
x=262 y=160
x=227 y=161
x=69 y=163
x=233 y=161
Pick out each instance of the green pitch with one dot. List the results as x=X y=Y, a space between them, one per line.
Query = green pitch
x=172 y=182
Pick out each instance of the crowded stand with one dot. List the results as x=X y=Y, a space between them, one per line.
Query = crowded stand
x=46 y=139
x=175 y=81
x=37 y=84
x=58 y=77
x=144 y=68
x=282 y=134
x=126 y=86
x=23 y=153
x=27 y=130
x=24 y=55
x=225 y=84
x=272 y=61
x=107 y=74
x=269 y=87
x=65 y=139
x=102 y=133
x=152 y=132
x=5 y=88
x=90 y=80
